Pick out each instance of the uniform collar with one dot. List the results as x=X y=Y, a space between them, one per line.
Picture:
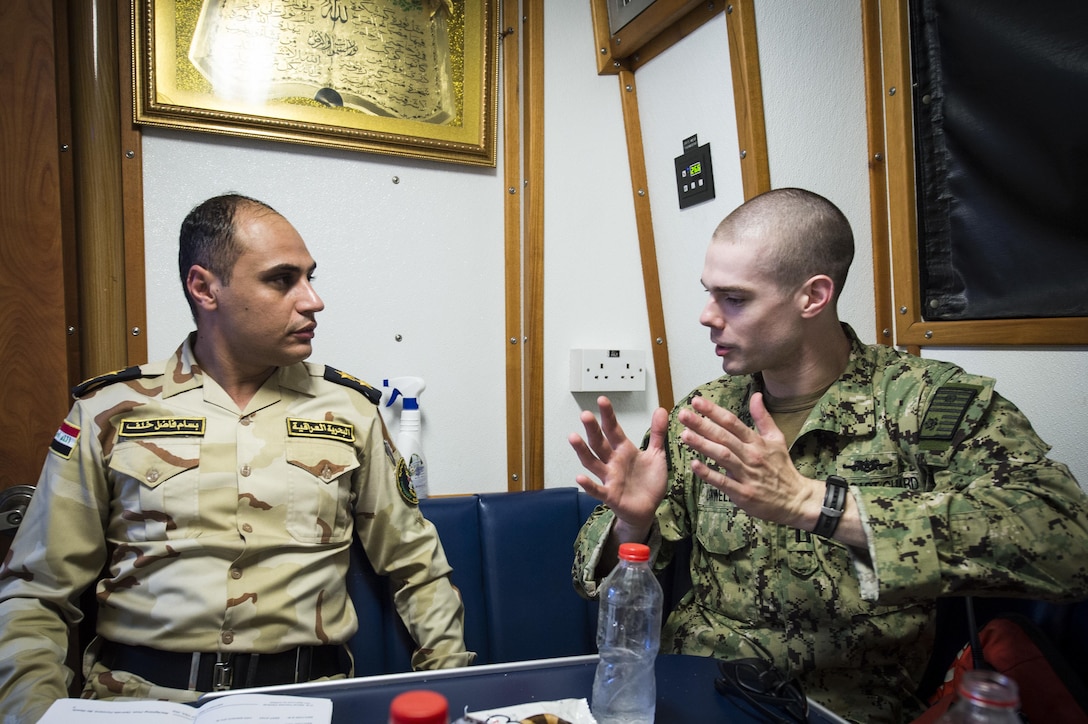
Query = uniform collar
x=847 y=408
x=183 y=373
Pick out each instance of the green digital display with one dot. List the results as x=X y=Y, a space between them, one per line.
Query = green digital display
x=695 y=169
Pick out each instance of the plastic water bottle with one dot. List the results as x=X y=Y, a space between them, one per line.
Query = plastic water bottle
x=984 y=697
x=628 y=638
x=419 y=706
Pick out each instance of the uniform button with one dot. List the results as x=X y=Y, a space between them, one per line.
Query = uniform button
x=326 y=473
x=247 y=420
x=235 y=573
x=228 y=637
x=152 y=475
x=246 y=471
x=246 y=527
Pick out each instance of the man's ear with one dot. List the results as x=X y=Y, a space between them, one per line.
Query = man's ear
x=817 y=295
x=202 y=285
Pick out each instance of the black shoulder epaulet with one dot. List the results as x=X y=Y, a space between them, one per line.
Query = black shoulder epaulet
x=343 y=378
x=129 y=373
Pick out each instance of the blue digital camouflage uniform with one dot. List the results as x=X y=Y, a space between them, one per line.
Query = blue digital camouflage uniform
x=220 y=530
x=956 y=495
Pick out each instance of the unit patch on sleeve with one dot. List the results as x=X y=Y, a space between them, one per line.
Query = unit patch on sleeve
x=298 y=427
x=65 y=440
x=163 y=427
x=945 y=414
x=404 y=483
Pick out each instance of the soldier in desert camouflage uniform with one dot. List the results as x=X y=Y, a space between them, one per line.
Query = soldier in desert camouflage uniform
x=211 y=500
x=950 y=491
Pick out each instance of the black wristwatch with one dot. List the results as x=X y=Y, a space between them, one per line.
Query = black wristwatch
x=834 y=505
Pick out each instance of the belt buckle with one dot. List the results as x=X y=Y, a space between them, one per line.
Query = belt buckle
x=223 y=673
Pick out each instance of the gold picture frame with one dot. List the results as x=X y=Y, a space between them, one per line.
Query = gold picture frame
x=412 y=78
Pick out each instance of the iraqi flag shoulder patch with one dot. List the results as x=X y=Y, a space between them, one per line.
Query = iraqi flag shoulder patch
x=65 y=440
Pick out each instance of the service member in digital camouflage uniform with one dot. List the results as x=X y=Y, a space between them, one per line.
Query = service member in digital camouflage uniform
x=942 y=484
x=211 y=498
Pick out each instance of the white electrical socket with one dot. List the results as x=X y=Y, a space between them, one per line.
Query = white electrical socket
x=607 y=370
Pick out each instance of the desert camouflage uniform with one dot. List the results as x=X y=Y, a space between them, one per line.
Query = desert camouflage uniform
x=220 y=530
x=950 y=505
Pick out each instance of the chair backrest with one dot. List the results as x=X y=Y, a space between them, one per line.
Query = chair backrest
x=511 y=556
x=528 y=546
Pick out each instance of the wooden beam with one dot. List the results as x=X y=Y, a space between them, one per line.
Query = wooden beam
x=647 y=25
x=659 y=341
x=673 y=34
x=878 y=179
x=533 y=60
x=602 y=40
x=132 y=194
x=511 y=33
x=755 y=166
x=97 y=161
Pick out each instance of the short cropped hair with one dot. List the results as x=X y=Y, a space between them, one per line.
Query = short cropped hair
x=804 y=233
x=208 y=239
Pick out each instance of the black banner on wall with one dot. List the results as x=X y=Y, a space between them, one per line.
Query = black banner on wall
x=1001 y=141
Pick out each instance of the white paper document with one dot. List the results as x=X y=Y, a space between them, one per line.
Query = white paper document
x=239 y=708
x=575 y=711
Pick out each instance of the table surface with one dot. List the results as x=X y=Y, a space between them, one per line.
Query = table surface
x=685 y=690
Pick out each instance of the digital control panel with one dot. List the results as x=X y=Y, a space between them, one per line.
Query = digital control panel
x=694 y=173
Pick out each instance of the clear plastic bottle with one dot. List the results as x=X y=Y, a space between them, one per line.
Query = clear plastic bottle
x=419 y=706
x=628 y=638
x=984 y=696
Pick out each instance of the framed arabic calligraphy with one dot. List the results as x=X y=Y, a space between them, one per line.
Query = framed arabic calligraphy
x=401 y=77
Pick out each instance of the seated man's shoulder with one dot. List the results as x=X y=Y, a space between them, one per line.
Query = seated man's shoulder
x=338 y=377
x=902 y=370
x=135 y=372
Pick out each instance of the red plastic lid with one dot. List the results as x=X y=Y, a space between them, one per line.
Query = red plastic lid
x=419 y=707
x=634 y=552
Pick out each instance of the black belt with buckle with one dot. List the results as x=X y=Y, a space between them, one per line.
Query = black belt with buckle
x=219 y=671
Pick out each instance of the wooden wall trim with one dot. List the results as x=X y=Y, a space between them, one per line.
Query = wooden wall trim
x=676 y=32
x=132 y=194
x=533 y=60
x=878 y=179
x=659 y=341
x=602 y=40
x=511 y=34
x=99 y=219
x=67 y=195
x=755 y=166
x=899 y=147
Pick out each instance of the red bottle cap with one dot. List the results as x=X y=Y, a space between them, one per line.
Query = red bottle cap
x=419 y=707
x=635 y=552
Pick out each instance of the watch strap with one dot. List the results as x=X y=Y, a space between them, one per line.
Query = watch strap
x=834 y=505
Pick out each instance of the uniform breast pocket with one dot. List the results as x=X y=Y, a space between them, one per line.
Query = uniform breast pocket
x=319 y=490
x=723 y=529
x=722 y=574
x=158 y=484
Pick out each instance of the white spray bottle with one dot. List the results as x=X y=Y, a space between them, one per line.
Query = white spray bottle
x=409 y=436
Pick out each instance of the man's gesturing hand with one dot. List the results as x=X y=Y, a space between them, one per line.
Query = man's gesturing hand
x=752 y=467
x=632 y=481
